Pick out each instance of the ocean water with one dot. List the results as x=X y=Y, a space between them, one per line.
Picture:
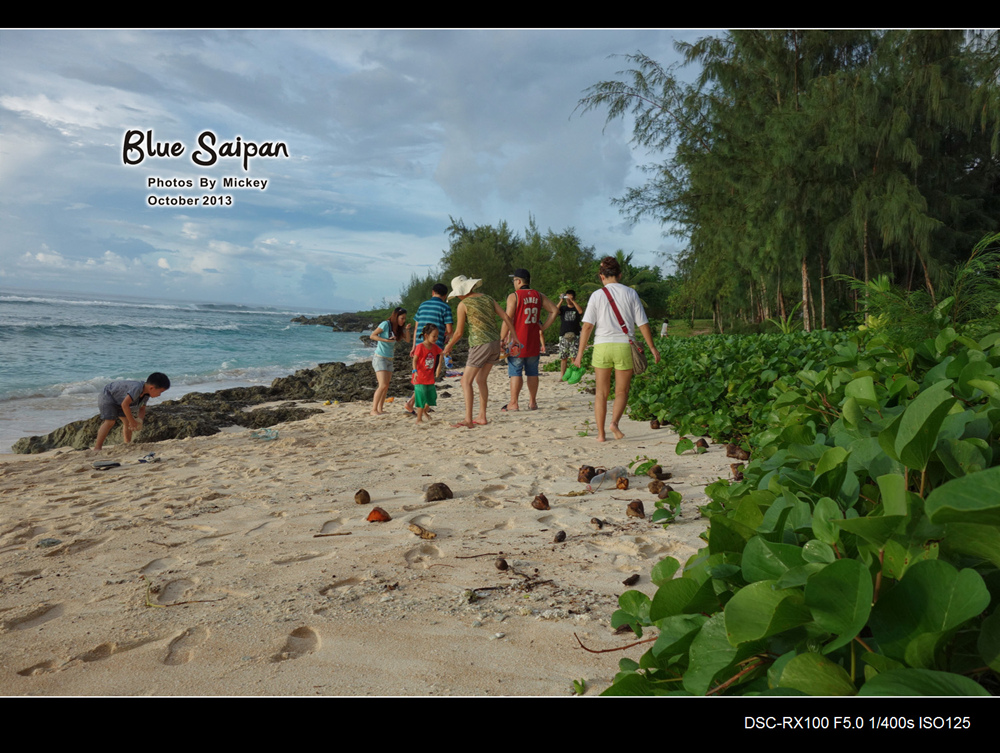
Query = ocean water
x=57 y=351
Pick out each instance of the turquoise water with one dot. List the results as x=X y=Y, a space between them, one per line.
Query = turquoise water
x=57 y=351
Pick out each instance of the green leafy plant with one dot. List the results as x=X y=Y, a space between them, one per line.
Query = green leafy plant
x=860 y=554
x=641 y=465
x=785 y=324
x=667 y=509
x=579 y=686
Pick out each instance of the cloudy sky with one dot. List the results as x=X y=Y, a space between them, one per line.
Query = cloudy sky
x=389 y=133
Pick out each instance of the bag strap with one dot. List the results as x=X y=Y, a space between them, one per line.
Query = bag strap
x=614 y=307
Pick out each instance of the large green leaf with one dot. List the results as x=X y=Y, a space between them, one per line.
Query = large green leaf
x=933 y=598
x=875 y=529
x=918 y=427
x=825 y=521
x=973 y=538
x=862 y=390
x=759 y=610
x=840 y=599
x=677 y=633
x=663 y=571
x=817 y=676
x=682 y=595
x=974 y=498
x=763 y=560
x=989 y=641
x=893 y=488
x=922 y=682
x=710 y=653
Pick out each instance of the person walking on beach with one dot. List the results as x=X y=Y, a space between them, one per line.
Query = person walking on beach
x=433 y=311
x=425 y=358
x=481 y=312
x=523 y=307
x=386 y=335
x=120 y=398
x=613 y=314
x=569 y=327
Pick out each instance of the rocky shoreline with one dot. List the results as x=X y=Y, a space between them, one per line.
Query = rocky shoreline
x=200 y=414
x=348 y=322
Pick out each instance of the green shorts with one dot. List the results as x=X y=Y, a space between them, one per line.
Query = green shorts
x=617 y=356
x=425 y=395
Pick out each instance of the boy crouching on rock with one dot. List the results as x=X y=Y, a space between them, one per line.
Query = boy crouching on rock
x=119 y=399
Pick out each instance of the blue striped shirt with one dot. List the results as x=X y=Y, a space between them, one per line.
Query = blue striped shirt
x=436 y=312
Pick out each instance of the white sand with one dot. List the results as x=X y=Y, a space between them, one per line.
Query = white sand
x=229 y=525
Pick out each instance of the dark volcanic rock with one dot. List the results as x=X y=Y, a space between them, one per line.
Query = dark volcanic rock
x=200 y=414
x=349 y=322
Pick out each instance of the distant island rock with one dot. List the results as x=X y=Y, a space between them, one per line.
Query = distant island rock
x=348 y=322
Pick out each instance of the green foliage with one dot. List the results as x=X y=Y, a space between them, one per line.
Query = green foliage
x=579 y=686
x=667 y=509
x=860 y=555
x=797 y=154
x=721 y=384
x=557 y=262
x=785 y=324
x=641 y=465
x=971 y=302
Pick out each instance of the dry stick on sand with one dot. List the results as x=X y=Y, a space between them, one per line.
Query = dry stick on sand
x=609 y=650
x=339 y=533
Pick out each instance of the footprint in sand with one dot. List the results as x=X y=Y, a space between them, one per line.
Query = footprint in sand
x=35 y=618
x=332 y=525
x=304 y=557
x=163 y=563
x=421 y=556
x=345 y=583
x=422 y=520
x=301 y=641
x=75 y=547
x=182 y=648
x=50 y=665
x=176 y=590
x=504 y=526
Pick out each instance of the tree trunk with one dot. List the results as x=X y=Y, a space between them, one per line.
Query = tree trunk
x=864 y=245
x=805 y=296
x=927 y=278
x=822 y=292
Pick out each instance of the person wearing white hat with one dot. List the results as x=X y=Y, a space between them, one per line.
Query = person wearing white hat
x=484 y=342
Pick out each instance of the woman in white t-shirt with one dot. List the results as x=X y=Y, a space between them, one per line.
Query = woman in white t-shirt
x=612 y=349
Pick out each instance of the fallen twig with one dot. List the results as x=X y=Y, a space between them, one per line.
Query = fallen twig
x=473 y=556
x=609 y=650
x=339 y=533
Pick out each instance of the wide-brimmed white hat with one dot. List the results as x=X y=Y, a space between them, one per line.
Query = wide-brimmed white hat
x=463 y=285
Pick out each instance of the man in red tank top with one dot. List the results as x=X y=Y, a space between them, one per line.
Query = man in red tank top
x=523 y=307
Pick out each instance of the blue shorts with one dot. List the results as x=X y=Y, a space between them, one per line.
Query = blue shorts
x=381 y=363
x=529 y=365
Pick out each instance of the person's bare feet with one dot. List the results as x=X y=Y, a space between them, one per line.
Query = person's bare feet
x=600 y=438
x=481 y=421
x=617 y=432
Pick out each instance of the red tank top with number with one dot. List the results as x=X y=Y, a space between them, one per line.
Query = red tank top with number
x=526 y=327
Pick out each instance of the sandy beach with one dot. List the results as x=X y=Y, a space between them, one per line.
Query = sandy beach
x=243 y=566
